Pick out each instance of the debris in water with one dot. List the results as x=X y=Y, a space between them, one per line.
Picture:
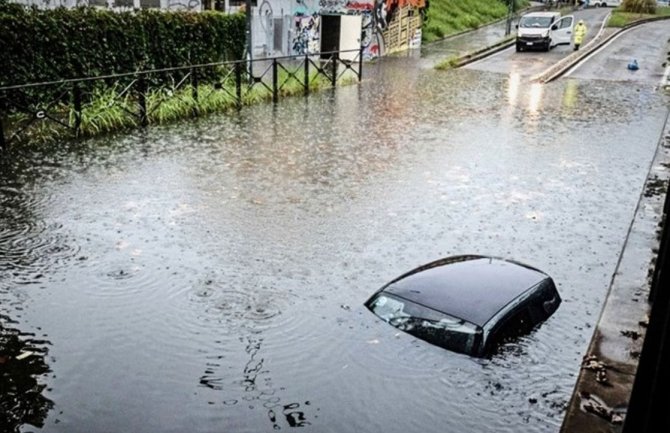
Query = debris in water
x=24 y=355
x=591 y=362
x=593 y=404
x=634 y=335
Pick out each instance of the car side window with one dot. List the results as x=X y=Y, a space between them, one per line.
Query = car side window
x=520 y=323
x=565 y=23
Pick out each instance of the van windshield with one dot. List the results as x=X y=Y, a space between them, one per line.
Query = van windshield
x=535 y=22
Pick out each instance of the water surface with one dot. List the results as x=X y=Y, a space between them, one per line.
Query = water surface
x=209 y=276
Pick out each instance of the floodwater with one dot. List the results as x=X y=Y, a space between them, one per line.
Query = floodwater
x=209 y=276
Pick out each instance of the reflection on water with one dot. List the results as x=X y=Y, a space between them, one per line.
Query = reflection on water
x=257 y=389
x=22 y=365
x=535 y=98
x=513 y=88
x=570 y=98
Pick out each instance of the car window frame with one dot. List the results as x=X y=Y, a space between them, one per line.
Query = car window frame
x=498 y=321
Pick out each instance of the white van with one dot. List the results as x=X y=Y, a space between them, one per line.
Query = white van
x=543 y=30
x=605 y=3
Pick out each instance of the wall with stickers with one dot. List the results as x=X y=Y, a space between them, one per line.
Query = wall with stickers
x=294 y=27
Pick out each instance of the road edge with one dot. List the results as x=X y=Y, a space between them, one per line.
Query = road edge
x=602 y=391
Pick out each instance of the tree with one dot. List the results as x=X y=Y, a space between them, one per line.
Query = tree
x=639 y=6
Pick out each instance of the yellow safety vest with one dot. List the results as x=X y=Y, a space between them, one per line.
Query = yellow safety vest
x=580 y=32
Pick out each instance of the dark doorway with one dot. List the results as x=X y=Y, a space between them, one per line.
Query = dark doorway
x=330 y=34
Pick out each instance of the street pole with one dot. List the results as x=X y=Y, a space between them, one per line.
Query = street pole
x=249 y=45
x=510 y=9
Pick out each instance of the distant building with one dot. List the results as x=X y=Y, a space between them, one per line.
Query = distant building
x=299 y=27
x=295 y=27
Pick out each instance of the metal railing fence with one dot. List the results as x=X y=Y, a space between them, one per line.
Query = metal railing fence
x=140 y=94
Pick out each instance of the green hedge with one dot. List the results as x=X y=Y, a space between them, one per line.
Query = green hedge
x=48 y=45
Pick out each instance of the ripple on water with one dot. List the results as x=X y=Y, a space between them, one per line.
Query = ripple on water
x=230 y=307
x=29 y=250
x=121 y=279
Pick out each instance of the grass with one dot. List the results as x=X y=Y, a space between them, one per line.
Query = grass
x=456 y=60
x=448 y=63
x=621 y=19
x=113 y=108
x=448 y=17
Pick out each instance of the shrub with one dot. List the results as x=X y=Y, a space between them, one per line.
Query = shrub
x=639 y=6
x=50 y=45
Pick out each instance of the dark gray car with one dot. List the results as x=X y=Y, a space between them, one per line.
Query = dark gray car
x=467 y=304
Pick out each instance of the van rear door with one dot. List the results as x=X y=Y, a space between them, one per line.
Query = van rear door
x=561 y=30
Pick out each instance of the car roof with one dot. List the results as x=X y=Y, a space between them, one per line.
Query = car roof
x=472 y=288
x=542 y=14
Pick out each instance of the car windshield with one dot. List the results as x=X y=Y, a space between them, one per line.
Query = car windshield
x=427 y=324
x=535 y=22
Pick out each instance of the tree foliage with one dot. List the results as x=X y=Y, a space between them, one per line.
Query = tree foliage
x=639 y=6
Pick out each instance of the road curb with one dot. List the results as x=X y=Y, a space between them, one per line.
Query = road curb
x=567 y=63
x=484 y=52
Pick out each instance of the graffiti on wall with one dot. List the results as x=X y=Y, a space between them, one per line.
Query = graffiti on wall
x=348 y=7
x=372 y=39
x=396 y=25
x=305 y=7
x=387 y=25
x=306 y=34
x=265 y=9
x=183 y=5
x=387 y=10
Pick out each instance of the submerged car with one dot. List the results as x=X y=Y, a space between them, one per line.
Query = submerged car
x=467 y=304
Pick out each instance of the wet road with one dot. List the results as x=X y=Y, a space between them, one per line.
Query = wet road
x=641 y=43
x=209 y=276
x=535 y=62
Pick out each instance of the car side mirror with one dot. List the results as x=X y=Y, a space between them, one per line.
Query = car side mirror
x=554 y=27
x=517 y=26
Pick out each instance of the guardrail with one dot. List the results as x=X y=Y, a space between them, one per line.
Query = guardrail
x=64 y=102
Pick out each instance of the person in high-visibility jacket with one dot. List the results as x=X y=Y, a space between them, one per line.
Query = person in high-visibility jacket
x=580 y=32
